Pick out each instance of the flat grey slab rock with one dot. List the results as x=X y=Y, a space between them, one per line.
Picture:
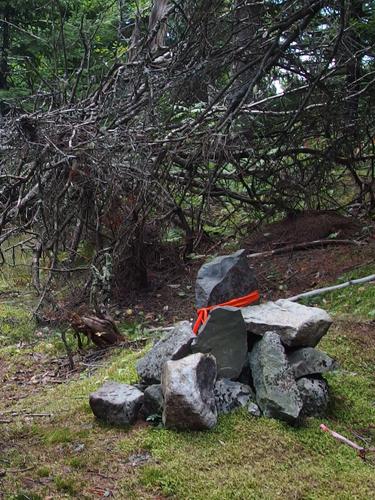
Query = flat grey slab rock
x=230 y=395
x=315 y=396
x=224 y=336
x=153 y=400
x=276 y=390
x=224 y=278
x=188 y=390
x=171 y=345
x=116 y=404
x=310 y=361
x=296 y=324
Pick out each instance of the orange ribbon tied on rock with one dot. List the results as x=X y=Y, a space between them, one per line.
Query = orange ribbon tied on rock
x=244 y=301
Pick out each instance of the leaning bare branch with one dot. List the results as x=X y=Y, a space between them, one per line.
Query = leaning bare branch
x=307 y=245
x=201 y=122
x=320 y=291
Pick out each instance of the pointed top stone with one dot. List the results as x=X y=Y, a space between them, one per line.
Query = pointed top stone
x=224 y=278
x=172 y=345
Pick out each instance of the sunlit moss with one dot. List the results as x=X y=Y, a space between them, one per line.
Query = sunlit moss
x=241 y=458
x=355 y=300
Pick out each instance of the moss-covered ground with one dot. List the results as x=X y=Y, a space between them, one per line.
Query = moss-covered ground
x=61 y=451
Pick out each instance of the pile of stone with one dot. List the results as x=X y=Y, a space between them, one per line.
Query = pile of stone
x=262 y=358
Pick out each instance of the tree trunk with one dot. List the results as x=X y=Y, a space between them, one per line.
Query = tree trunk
x=246 y=22
x=156 y=23
x=352 y=43
x=4 y=66
x=76 y=238
x=35 y=268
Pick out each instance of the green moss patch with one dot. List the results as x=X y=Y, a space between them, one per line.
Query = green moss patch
x=355 y=300
x=69 y=454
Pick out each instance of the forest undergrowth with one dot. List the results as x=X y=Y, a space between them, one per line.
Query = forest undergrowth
x=52 y=446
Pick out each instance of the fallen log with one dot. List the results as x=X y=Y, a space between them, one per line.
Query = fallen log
x=320 y=291
x=303 y=246
x=103 y=332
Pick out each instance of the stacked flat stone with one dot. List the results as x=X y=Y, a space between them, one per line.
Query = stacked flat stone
x=261 y=358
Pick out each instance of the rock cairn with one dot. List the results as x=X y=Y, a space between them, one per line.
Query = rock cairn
x=262 y=358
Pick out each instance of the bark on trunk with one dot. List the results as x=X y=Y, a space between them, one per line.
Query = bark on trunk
x=37 y=252
x=156 y=23
x=4 y=66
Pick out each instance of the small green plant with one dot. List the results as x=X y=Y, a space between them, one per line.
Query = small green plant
x=16 y=324
x=25 y=495
x=77 y=463
x=43 y=471
x=65 y=484
x=62 y=435
x=155 y=419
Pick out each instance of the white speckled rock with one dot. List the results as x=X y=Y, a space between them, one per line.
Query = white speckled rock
x=116 y=403
x=188 y=390
x=172 y=345
x=315 y=396
x=230 y=395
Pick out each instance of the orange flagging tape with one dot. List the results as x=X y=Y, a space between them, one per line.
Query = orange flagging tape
x=244 y=301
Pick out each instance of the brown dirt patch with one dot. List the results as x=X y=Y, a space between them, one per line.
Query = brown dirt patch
x=31 y=372
x=301 y=227
x=360 y=332
x=286 y=275
x=171 y=296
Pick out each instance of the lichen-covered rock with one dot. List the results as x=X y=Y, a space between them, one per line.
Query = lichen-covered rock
x=315 y=396
x=188 y=390
x=230 y=395
x=174 y=344
x=276 y=390
x=310 y=361
x=296 y=324
x=116 y=403
x=224 y=336
x=223 y=279
x=153 y=400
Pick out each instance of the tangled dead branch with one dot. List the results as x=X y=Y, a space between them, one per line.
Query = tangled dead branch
x=187 y=131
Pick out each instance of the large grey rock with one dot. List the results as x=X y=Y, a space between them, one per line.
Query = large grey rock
x=315 y=396
x=173 y=345
x=296 y=324
x=310 y=361
x=188 y=390
x=153 y=400
x=224 y=336
x=230 y=395
x=116 y=403
x=276 y=390
x=223 y=279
